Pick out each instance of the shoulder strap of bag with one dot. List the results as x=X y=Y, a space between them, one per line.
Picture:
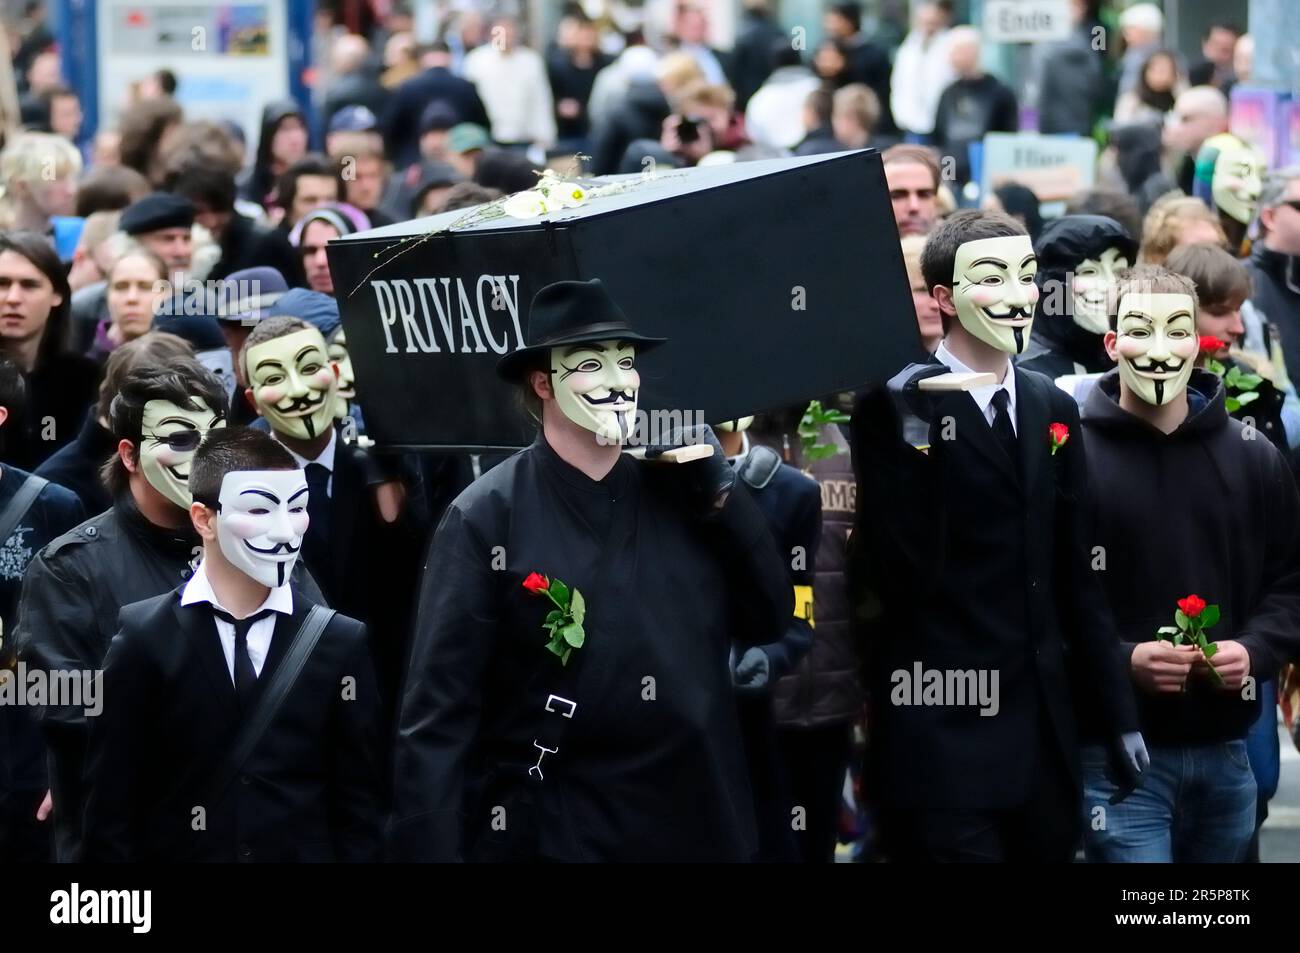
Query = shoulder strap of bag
x=20 y=503
x=282 y=682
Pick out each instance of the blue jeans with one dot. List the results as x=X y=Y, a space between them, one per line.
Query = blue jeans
x=1196 y=804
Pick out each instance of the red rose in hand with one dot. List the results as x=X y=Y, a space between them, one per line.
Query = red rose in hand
x=536 y=583
x=1211 y=345
x=1192 y=606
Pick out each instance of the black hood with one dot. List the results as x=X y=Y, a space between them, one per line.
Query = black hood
x=1062 y=246
x=1101 y=408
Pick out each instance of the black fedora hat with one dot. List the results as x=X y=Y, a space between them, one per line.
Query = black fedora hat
x=571 y=312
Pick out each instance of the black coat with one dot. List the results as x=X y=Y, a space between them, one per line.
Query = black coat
x=752 y=55
x=1221 y=519
x=825 y=687
x=71 y=597
x=369 y=569
x=312 y=788
x=246 y=244
x=401 y=120
x=1275 y=292
x=640 y=115
x=77 y=464
x=58 y=393
x=963 y=559
x=651 y=766
x=1058 y=344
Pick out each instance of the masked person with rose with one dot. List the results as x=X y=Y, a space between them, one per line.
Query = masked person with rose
x=1194 y=513
x=969 y=578
x=235 y=697
x=569 y=696
x=365 y=558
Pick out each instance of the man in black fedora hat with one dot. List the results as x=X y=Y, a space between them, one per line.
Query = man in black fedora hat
x=569 y=696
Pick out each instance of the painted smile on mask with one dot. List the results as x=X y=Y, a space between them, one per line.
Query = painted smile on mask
x=993 y=290
x=261 y=521
x=167 y=467
x=294 y=384
x=596 y=387
x=1156 y=344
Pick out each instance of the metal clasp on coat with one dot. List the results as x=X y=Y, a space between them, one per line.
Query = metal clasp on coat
x=544 y=752
x=573 y=706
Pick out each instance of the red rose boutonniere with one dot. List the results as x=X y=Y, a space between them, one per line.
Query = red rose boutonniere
x=564 y=622
x=1059 y=435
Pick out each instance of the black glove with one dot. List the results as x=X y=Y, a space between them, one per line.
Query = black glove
x=712 y=477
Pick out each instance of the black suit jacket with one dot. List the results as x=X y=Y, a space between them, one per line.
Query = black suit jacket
x=962 y=560
x=369 y=569
x=313 y=788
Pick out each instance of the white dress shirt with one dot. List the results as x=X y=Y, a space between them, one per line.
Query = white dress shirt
x=983 y=396
x=921 y=74
x=280 y=599
x=325 y=459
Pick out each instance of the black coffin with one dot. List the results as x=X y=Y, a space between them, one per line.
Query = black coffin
x=775 y=282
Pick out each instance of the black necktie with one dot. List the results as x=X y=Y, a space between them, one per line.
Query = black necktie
x=245 y=674
x=318 y=500
x=1003 y=429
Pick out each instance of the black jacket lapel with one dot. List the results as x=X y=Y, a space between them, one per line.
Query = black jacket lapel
x=1032 y=410
x=286 y=626
x=196 y=624
x=348 y=497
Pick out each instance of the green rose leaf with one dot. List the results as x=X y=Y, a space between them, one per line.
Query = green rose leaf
x=555 y=615
x=561 y=593
x=573 y=634
x=1180 y=619
x=578 y=607
x=1209 y=616
x=1209 y=649
x=1246 y=397
x=1231 y=405
x=1167 y=631
x=1249 y=381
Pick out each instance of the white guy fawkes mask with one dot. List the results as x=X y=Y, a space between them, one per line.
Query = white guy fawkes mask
x=596 y=385
x=1237 y=182
x=169 y=435
x=261 y=520
x=738 y=425
x=293 y=383
x=1094 y=289
x=1156 y=344
x=993 y=290
x=338 y=353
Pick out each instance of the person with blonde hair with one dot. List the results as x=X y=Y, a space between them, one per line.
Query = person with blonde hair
x=855 y=114
x=1174 y=221
x=38 y=175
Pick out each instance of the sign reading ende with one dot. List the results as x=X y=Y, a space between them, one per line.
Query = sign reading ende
x=1026 y=21
x=774 y=282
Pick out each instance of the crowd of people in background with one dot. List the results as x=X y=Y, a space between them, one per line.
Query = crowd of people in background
x=99 y=232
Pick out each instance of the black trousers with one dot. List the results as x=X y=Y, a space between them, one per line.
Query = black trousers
x=1044 y=828
x=814 y=762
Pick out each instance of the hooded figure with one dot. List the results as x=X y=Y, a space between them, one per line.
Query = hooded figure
x=261 y=179
x=1078 y=256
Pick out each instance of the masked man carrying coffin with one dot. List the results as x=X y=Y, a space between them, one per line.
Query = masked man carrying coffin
x=569 y=696
x=970 y=575
x=241 y=720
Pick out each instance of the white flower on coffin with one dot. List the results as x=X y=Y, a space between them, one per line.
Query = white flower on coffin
x=526 y=204
x=571 y=194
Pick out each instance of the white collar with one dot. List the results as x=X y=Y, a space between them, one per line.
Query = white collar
x=983 y=396
x=199 y=589
x=326 y=457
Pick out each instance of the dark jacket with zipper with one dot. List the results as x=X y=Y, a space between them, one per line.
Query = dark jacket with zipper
x=1275 y=291
x=1208 y=509
x=825 y=687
